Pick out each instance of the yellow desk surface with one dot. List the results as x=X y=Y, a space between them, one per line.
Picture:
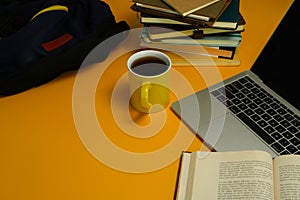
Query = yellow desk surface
x=45 y=151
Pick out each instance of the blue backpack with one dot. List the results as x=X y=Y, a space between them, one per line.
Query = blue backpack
x=40 y=39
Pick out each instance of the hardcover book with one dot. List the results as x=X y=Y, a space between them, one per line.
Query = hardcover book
x=172 y=31
x=157 y=8
x=230 y=17
x=197 y=55
x=196 y=50
x=189 y=20
x=189 y=59
x=222 y=40
x=184 y=8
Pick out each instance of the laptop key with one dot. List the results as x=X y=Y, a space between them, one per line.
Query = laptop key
x=243 y=80
x=268 y=100
x=278 y=118
x=237 y=84
x=221 y=98
x=255 y=90
x=275 y=106
x=252 y=105
x=284 y=142
x=296 y=122
x=269 y=129
x=285 y=153
x=285 y=123
x=292 y=129
x=266 y=117
x=287 y=135
x=276 y=136
x=215 y=93
x=280 y=128
x=245 y=91
x=257 y=101
x=251 y=96
x=281 y=111
x=271 y=112
x=242 y=106
x=229 y=95
x=240 y=95
x=292 y=149
x=261 y=95
x=262 y=123
x=227 y=103
x=231 y=89
x=246 y=100
x=273 y=122
x=234 y=109
x=249 y=85
x=259 y=111
x=249 y=112
x=277 y=147
x=288 y=117
x=236 y=101
x=295 y=141
x=255 y=117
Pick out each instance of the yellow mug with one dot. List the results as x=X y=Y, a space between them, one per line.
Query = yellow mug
x=149 y=74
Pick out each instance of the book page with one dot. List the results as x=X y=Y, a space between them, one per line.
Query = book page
x=233 y=175
x=183 y=176
x=287 y=177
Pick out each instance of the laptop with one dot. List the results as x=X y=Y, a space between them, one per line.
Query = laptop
x=257 y=109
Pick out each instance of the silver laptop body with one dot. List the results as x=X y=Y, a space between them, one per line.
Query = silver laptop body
x=220 y=128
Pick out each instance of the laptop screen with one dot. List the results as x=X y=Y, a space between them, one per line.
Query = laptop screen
x=277 y=65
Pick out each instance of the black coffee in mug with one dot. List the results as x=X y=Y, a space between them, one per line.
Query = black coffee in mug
x=149 y=66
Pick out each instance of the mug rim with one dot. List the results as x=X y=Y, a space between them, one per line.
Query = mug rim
x=156 y=52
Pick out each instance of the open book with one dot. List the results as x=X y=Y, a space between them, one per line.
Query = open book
x=238 y=175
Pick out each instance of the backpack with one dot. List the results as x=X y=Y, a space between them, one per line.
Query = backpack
x=40 y=39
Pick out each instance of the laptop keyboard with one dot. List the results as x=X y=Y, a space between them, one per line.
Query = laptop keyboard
x=272 y=121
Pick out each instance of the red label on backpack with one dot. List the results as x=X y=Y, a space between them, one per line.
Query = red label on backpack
x=58 y=42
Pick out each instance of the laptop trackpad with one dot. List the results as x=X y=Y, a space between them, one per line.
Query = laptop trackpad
x=232 y=135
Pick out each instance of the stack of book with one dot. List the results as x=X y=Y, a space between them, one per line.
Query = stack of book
x=201 y=29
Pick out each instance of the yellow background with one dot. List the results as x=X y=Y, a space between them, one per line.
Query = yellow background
x=42 y=156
